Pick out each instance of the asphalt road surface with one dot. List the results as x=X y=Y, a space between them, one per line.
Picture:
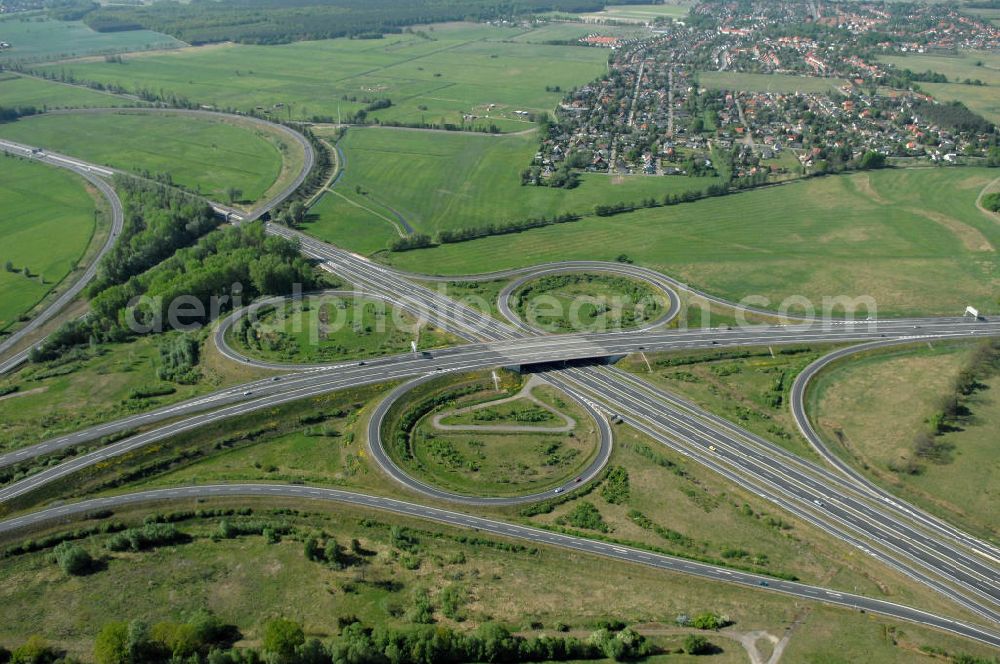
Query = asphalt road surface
x=93 y=176
x=382 y=458
x=805 y=426
x=891 y=531
x=538 y=536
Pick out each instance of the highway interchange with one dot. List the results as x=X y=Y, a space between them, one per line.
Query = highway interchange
x=93 y=175
x=842 y=503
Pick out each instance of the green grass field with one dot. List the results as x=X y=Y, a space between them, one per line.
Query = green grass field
x=205 y=156
x=35 y=39
x=321 y=441
x=569 y=31
x=489 y=463
x=414 y=173
x=592 y=302
x=348 y=225
x=70 y=396
x=869 y=409
x=742 y=81
x=690 y=511
x=19 y=91
x=911 y=239
x=246 y=581
x=966 y=64
x=450 y=70
x=47 y=236
x=480 y=295
x=973 y=65
x=331 y=329
x=746 y=386
x=665 y=487
x=991 y=15
x=641 y=13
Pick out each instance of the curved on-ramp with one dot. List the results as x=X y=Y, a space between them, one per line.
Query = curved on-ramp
x=392 y=469
x=804 y=423
x=503 y=529
x=309 y=155
x=91 y=175
x=227 y=351
x=648 y=277
x=96 y=176
x=918 y=616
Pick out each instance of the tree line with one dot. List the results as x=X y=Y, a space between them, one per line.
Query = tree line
x=992 y=202
x=205 y=638
x=955 y=116
x=292 y=211
x=171 y=247
x=423 y=241
x=11 y=113
x=273 y=22
x=952 y=407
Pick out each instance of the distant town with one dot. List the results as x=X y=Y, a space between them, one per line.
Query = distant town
x=651 y=115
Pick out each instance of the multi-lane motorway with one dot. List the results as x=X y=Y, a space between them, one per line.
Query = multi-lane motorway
x=93 y=175
x=978 y=591
x=97 y=175
x=611 y=551
x=325 y=378
x=841 y=503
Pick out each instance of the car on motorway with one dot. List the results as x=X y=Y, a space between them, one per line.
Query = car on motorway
x=247 y=393
x=559 y=490
x=711 y=448
x=764 y=583
x=819 y=503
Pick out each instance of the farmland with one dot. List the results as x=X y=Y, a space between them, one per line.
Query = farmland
x=44 y=237
x=21 y=91
x=724 y=80
x=431 y=77
x=991 y=15
x=911 y=239
x=966 y=65
x=36 y=39
x=638 y=14
x=414 y=173
x=201 y=155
